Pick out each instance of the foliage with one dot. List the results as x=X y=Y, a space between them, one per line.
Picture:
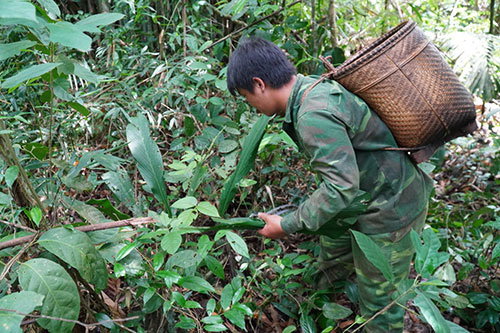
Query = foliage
x=159 y=135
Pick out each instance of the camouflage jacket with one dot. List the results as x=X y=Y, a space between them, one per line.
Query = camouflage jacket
x=343 y=139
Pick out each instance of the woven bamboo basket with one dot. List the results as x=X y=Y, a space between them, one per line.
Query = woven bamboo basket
x=404 y=78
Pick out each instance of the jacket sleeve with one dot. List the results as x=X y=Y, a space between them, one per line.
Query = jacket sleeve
x=326 y=143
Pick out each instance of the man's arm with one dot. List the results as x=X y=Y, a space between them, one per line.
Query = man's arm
x=327 y=144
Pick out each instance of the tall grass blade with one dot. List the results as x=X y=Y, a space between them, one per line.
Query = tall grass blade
x=245 y=164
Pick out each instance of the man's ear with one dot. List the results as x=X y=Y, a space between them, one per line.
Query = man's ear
x=258 y=83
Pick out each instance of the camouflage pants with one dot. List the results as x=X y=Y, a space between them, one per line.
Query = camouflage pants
x=340 y=257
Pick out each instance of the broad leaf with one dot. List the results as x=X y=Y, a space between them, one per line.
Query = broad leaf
x=105 y=206
x=307 y=324
x=24 y=302
x=171 y=242
x=374 y=254
x=335 y=311
x=121 y=186
x=245 y=164
x=29 y=73
x=208 y=209
x=428 y=258
x=431 y=314
x=11 y=175
x=91 y=23
x=195 y=283
x=12 y=9
x=185 y=203
x=61 y=300
x=50 y=6
x=238 y=244
x=76 y=249
x=12 y=49
x=67 y=34
x=148 y=157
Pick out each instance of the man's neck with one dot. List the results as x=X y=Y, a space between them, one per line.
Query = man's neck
x=283 y=95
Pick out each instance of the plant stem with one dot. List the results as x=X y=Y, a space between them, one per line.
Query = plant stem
x=51 y=110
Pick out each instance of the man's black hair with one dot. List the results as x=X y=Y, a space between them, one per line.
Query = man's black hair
x=257 y=57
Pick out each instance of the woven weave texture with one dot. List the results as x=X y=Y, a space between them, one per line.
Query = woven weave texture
x=404 y=78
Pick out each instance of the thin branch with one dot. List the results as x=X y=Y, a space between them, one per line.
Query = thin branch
x=252 y=24
x=15 y=258
x=86 y=228
x=19 y=226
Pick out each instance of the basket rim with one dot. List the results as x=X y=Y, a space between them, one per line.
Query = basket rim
x=374 y=49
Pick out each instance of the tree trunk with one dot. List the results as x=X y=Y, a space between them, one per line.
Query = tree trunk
x=314 y=27
x=332 y=20
x=492 y=17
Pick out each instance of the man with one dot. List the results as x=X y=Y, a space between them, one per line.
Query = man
x=344 y=140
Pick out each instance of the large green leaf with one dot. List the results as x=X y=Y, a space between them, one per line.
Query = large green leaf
x=67 y=34
x=14 y=9
x=428 y=258
x=12 y=49
x=75 y=248
x=335 y=311
x=91 y=23
x=148 y=157
x=61 y=300
x=245 y=164
x=24 y=302
x=50 y=6
x=29 y=73
x=121 y=186
x=374 y=254
x=237 y=243
x=431 y=314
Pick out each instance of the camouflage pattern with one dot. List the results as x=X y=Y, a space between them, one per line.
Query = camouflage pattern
x=342 y=137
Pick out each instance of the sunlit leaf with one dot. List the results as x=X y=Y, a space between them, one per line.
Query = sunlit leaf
x=61 y=300
x=29 y=73
x=12 y=49
x=24 y=302
x=245 y=164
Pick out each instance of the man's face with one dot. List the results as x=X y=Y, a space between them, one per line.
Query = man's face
x=260 y=100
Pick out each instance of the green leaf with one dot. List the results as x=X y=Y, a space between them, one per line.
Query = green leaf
x=11 y=175
x=496 y=251
x=36 y=215
x=91 y=23
x=171 y=242
x=12 y=9
x=125 y=251
x=184 y=203
x=226 y=297
x=245 y=164
x=307 y=324
x=29 y=73
x=25 y=302
x=80 y=108
x=215 y=266
x=148 y=157
x=428 y=258
x=105 y=206
x=50 y=6
x=227 y=146
x=37 y=150
x=215 y=328
x=335 y=311
x=183 y=259
x=208 y=209
x=85 y=73
x=290 y=329
x=75 y=248
x=12 y=49
x=238 y=244
x=121 y=186
x=61 y=300
x=374 y=254
x=196 y=283
x=431 y=313
x=236 y=317
x=67 y=34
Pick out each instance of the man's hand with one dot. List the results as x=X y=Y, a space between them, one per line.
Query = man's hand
x=273 y=226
